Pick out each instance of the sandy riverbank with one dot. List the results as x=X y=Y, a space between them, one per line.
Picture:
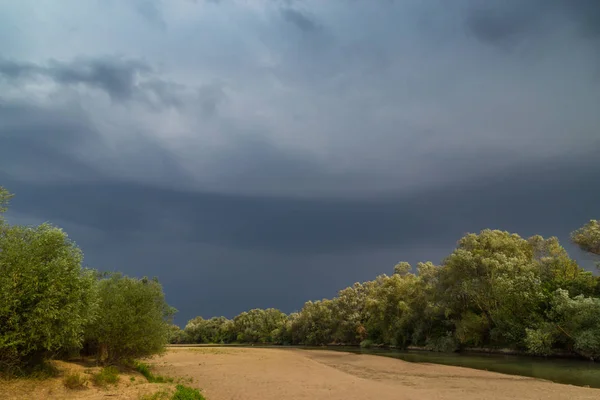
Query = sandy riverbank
x=265 y=374
x=230 y=373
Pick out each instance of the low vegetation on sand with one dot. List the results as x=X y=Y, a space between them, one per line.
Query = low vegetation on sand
x=144 y=369
x=496 y=290
x=106 y=376
x=181 y=393
x=75 y=381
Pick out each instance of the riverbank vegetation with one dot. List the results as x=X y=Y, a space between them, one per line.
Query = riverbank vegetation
x=495 y=290
x=51 y=307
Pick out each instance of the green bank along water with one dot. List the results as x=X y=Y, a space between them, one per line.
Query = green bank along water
x=560 y=370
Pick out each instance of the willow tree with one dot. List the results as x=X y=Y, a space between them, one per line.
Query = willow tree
x=46 y=297
x=133 y=320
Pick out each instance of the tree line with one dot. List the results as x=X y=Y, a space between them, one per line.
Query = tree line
x=495 y=290
x=51 y=306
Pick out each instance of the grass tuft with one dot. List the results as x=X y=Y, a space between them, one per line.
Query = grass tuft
x=107 y=376
x=144 y=369
x=181 y=393
x=187 y=393
x=75 y=381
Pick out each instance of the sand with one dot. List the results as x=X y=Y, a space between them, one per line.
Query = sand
x=291 y=374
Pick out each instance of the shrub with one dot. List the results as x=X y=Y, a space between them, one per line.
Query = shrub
x=43 y=370
x=47 y=298
x=106 y=376
x=366 y=344
x=75 y=381
x=187 y=393
x=444 y=344
x=133 y=319
x=539 y=341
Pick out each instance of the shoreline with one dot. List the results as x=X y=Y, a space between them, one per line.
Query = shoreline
x=558 y=355
x=272 y=373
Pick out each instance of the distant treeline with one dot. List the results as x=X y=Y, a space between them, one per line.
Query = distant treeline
x=50 y=306
x=495 y=290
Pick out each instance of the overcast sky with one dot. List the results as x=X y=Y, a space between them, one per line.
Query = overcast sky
x=263 y=153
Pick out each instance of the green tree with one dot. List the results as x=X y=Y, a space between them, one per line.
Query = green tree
x=46 y=298
x=402 y=268
x=491 y=288
x=390 y=309
x=573 y=324
x=314 y=324
x=557 y=270
x=214 y=330
x=133 y=319
x=258 y=326
x=177 y=335
x=350 y=314
x=588 y=237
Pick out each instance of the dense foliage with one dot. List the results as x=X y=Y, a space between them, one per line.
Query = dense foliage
x=130 y=321
x=46 y=298
x=50 y=305
x=495 y=290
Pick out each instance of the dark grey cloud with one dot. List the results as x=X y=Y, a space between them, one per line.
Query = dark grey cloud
x=265 y=242
x=261 y=154
x=299 y=19
x=503 y=23
x=115 y=76
x=120 y=78
x=509 y=22
x=38 y=143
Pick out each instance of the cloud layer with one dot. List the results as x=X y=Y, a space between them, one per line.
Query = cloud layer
x=279 y=150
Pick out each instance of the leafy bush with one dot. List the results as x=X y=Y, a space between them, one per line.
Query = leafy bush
x=187 y=393
x=444 y=344
x=47 y=298
x=366 y=344
x=177 y=335
x=132 y=321
x=75 y=381
x=539 y=341
x=106 y=376
x=578 y=321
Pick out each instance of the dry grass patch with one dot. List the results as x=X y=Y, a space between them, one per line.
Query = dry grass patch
x=106 y=376
x=81 y=381
x=75 y=381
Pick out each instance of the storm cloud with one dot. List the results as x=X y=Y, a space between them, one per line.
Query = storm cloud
x=256 y=154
